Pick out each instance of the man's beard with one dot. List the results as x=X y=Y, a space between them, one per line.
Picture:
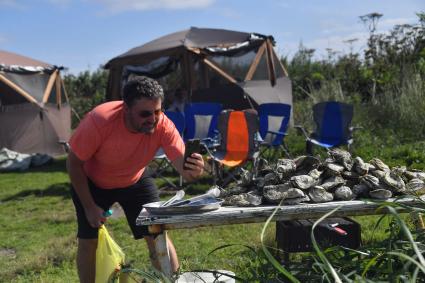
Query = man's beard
x=146 y=128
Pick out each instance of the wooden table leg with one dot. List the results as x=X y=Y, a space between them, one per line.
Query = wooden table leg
x=162 y=251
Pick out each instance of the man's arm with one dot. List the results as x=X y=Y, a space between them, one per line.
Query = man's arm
x=195 y=165
x=79 y=182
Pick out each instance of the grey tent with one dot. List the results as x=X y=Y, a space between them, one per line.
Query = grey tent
x=238 y=69
x=34 y=110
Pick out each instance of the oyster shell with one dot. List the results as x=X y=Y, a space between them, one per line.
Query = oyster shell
x=274 y=194
x=332 y=182
x=380 y=194
x=343 y=193
x=361 y=190
x=295 y=201
x=341 y=157
x=379 y=164
x=333 y=169
x=371 y=181
x=395 y=182
x=318 y=194
x=415 y=187
x=360 y=167
x=303 y=182
x=306 y=163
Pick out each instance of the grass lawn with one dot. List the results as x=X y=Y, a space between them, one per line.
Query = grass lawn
x=38 y=224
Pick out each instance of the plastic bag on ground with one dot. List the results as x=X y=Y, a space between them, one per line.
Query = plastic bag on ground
x=109 y=257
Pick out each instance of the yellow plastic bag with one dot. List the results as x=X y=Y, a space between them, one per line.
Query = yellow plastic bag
x=109 y=256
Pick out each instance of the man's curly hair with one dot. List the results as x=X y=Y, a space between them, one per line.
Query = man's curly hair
x=140 y=86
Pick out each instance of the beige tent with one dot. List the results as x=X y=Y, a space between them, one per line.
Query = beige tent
x=237 y=69
x=34 y=110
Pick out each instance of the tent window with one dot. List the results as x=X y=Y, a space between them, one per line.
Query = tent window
x=261 y=73
x=237 y=66
x=156 y=69
x=278 y=67
x=9 y=96
x=166 y=70
x=31 y=83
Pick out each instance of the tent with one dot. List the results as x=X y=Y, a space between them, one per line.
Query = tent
x=34 y=110
x=238 y=69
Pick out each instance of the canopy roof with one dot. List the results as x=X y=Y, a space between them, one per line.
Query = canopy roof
x=213 y=40
x=12 y=62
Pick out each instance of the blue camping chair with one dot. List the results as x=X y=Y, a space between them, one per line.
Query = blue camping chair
x=160 y=159
x=333 y=120
x=274 y=119
x=201 y=122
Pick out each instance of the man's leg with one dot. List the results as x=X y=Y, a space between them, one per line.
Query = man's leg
x=86 y=260
x=153 y=253
x=87 y=235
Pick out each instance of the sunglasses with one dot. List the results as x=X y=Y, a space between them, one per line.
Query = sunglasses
x=146 y=114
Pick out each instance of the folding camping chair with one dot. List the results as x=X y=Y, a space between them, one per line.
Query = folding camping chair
x=333 y=120
x=161 y=161
x=201 y=122
x=238 y=131
x=274 y=119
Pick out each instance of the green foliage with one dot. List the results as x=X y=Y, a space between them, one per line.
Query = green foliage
x=85 y=91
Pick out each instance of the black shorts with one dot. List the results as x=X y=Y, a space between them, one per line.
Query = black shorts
x=131 y=200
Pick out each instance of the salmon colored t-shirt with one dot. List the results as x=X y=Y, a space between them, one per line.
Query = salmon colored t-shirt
x=115 y=157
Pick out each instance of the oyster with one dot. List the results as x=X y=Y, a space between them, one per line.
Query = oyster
x=333 y=182
x=360 y=167
x=285 y=168
x=315 y=174
x=306 y=163
x=380 y=194
x=274 y=194
x=237 y=200
x=294 y=201
x=378 y=173
x=415 y=174
x=361 y=190
x=271 y=179
x=343 y=193
x=341 y=157
x=319 y=194
x=394 y=182
x=415 y=187
x=379 y=164
x=333 y=169
x=371 y=181
x=303 y=182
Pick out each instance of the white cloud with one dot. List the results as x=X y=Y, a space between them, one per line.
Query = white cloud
x=143 y=5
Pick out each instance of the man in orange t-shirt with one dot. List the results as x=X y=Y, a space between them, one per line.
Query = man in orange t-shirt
x=107 y=163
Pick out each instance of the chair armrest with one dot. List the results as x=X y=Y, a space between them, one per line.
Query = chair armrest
x=302 y=130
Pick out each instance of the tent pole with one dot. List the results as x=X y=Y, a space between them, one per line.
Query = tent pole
x=58 y=92
x=255 y=63
x=218 y=70
x=49 y=86
x=19 y=90
x=270 y=63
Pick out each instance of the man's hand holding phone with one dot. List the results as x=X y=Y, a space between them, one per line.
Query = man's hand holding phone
x=192 y=146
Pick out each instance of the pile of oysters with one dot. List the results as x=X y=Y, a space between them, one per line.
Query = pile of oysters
x=308 y=179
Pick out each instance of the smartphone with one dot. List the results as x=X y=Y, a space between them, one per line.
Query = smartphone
x=192 y=146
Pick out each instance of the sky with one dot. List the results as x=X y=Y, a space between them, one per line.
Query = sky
x=82 y=35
